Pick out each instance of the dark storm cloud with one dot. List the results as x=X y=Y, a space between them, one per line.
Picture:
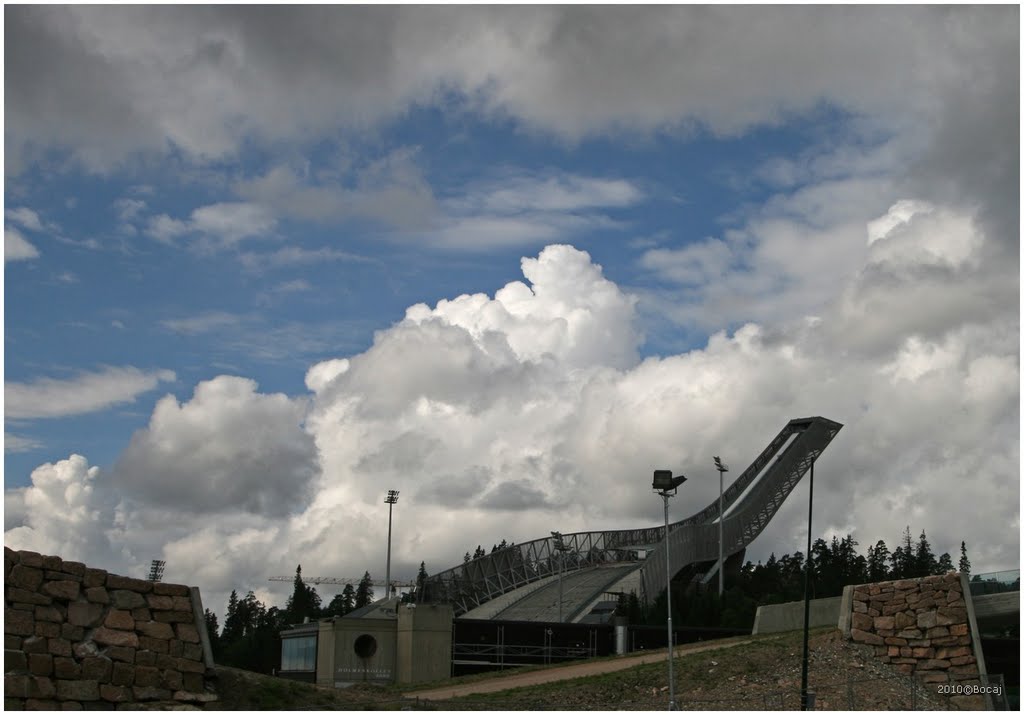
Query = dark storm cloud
x=111 y=83
x=229 y=448
x=127 y=75
x=514 y=495
x=453 y=491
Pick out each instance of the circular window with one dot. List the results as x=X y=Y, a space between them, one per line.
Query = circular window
x=365 y=645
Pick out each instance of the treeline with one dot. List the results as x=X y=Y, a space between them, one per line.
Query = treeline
x=834 y=564
x=250 y=638
x=481 y=552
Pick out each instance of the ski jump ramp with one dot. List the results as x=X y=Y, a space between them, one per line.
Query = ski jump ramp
x=520 y=579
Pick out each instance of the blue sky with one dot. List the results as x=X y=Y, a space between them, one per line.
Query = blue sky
x=122 y=296
x=236 y=241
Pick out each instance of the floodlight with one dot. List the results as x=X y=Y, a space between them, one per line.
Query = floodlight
x=561 y=547
x=665 y=484
x=664 y=481
x=156 y=570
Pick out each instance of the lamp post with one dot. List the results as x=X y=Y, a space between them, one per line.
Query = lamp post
x=666 y=485
x=722 y=469
x=390 y=500
x=807 y=699
x=561 y=548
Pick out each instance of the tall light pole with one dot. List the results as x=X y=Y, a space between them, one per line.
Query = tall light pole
x=561 y=548
x=806 y=699
x=666 y=485
x=390 y=500
x=722 y=469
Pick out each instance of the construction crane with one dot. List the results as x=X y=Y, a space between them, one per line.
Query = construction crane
x=341 y=580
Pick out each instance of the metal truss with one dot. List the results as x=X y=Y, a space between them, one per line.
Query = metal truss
x=750 y=502
x=479 y=580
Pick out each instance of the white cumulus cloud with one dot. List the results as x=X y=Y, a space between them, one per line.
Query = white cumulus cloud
x=507 y=416
x=59 y=512
x=228 y=448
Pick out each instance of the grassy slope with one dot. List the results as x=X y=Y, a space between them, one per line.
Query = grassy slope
x=244 y=690
x=747 y=676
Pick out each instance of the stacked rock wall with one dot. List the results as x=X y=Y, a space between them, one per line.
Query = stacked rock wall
x=81 y=638
x=921 y=627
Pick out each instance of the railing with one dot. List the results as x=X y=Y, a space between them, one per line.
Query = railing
x=756 y=494
x=479 y=580
x=995 y=582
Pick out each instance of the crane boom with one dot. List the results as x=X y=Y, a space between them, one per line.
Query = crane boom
x=341 y=580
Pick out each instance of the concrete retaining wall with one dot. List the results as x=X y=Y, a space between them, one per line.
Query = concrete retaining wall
x=77 y=637
x=781 y=617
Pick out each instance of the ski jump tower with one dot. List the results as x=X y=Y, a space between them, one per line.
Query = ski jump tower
x=603 y=561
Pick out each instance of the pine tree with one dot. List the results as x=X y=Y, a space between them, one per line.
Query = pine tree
x=903 y=561
x=418 y=590
x=303 y=603
x=899 y=564
x=234 y=627
x=348 y=598
x=421 y=577
x=211 y=630
x=945 y=564
x=823 y=568
x=364 y=591
x=925 y=563
x=250 y=637
x=854 y=567
x=336 y=608
x=965 y=563
x=252 y=612
x=908 y=542
x=878 y=562
x=211 y=623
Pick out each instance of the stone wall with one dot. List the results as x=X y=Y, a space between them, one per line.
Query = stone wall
x=81 y=638
x=922 y=627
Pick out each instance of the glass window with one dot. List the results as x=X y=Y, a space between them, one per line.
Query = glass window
x=298 y=653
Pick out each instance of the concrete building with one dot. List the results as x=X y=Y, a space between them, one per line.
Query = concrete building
x=386 y=642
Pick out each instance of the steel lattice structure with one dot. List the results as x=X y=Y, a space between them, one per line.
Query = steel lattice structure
x=750 y=502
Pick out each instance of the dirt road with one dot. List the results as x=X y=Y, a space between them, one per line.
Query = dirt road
x=568 y=672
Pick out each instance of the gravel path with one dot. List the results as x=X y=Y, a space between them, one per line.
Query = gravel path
x=568 y=672
x=765 y=674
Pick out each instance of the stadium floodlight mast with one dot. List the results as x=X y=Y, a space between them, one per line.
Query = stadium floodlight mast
x=561 y=548
x=722 y=469
x=666 y=485
x=156 y=570
x=390 y=500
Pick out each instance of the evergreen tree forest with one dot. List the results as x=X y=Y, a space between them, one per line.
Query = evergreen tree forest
x=249 y=637
x=834 y=564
